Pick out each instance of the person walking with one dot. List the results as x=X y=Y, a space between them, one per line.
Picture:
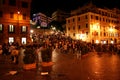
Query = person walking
x=15 y=54
x=21 y=56
x=79 y=54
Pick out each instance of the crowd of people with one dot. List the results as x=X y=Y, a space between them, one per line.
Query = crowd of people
x=60 y=42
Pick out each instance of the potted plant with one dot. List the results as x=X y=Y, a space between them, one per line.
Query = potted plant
x=46 y=54
x=29 y=58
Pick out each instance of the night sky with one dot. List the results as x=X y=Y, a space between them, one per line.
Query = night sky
x=49 y=6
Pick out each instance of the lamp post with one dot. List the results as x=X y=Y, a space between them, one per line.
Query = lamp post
x=18 y=13
x=18 y=36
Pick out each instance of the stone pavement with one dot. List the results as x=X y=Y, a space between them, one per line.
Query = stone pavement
x=67 y=67
x=59 y=60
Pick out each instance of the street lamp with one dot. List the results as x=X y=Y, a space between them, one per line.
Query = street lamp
x=18 y=12
x=31 y=31
x=18 y=17
x=111 y=29
x=17 y=20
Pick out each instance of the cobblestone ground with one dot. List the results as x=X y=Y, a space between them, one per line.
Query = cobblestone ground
x=92 y=66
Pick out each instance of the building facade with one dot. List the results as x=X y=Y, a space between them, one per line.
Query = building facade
x=15 y=21
x=42 y=19
x=60 y=16
x=92 y=24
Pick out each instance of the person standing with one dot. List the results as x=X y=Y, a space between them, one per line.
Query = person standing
x=21 y=56
x=14 y=54
x=79 y=54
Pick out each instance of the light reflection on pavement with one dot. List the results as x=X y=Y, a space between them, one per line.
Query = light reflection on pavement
x=102 y=66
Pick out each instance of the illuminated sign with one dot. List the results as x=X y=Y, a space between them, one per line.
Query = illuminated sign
x=43 y=24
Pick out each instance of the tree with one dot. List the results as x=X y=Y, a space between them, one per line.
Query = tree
x=57 y=25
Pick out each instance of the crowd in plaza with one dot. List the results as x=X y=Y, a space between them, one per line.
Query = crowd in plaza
x=58 y=41
x=68 y=45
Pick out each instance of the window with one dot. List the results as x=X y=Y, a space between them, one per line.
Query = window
x=24 y=5
x=78 y=18
x=12 y=2
x=106 y=20
x=24 y=29
x=11 y=40
x=104 y=34
x=68 y=21
x=91 y=16
x=11 y=14
x=1 y=28
x=118 y=22
x=106 y=13
x=68 y=28
x=102 y=13
x=73 y=19
x=86 y=25
x=24 y=40
x=103 y=19
x=86 y=33
x=1 y=13
x=24 y=16
x=73 y=34
x=112 y=21
x=79 y=27
x=95 y=33
x=109 y=20
x=11 y=28
x=96 y=17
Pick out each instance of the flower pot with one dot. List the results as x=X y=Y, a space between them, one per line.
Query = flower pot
x=46 y=67
x=29 y=66
x=45 y=64
x=46 y=55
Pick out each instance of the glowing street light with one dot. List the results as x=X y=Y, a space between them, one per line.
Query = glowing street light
x=18 y=25
x=112 y=42
x=53 y=28
x=31 y=31
x=18 y=12
x=111 y=29
x=97 y=41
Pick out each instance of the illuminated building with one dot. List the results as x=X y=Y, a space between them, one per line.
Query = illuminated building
x=59 y=15
x=42 y=19
x=15 y=21
x=92 y=24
